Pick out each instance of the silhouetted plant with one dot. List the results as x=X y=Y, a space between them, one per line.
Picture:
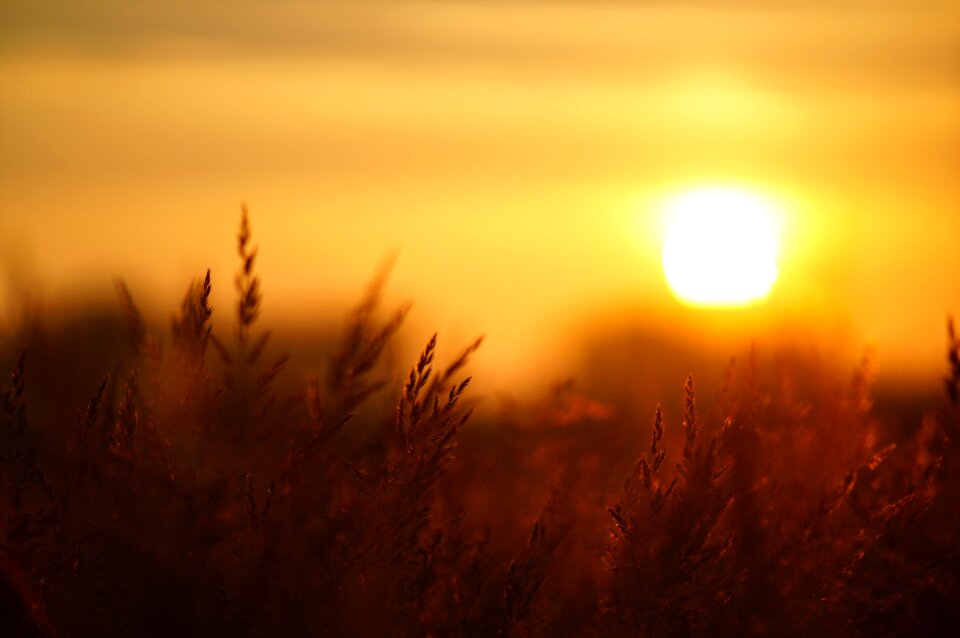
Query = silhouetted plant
x=217 y=496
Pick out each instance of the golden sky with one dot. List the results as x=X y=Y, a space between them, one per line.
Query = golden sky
x=514 y=153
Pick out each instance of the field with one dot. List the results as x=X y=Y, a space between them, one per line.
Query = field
x=183 y=482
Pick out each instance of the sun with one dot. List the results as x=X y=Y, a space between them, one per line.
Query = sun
x=720 y=247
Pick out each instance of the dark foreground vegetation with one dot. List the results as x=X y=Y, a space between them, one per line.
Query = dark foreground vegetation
x=195 y=492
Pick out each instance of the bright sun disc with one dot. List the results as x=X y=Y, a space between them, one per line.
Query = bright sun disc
x=720 y=247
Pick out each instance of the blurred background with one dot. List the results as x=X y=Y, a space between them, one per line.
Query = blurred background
x=514 y=155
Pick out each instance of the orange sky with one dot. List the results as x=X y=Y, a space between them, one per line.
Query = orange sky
x=513 y=152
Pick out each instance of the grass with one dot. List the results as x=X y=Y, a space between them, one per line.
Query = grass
x=181 y=483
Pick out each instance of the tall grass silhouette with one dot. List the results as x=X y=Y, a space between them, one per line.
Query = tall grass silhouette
x=197 y=490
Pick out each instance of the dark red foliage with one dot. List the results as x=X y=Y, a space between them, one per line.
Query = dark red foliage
x=196 y=495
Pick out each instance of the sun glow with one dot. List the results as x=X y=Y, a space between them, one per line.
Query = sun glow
x=720 y=247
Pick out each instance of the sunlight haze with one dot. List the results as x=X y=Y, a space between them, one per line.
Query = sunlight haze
x=514 y=155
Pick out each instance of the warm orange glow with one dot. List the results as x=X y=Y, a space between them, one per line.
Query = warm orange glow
x=720 y=248
x=716 y=208
x=514 y=154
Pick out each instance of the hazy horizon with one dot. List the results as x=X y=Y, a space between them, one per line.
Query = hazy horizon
x=514 y=154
